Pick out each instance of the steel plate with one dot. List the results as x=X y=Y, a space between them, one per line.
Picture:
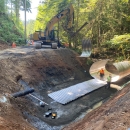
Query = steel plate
x=73 y=92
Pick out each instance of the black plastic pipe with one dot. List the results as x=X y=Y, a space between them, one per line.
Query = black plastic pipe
x=23 y=93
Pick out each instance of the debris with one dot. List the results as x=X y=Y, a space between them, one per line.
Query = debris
x=47 y=114
x=42 y=104
x=38 y=99
x=53 y=115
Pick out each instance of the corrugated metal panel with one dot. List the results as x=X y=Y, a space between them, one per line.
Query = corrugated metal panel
x=73 y=92
x=85 y=54
x=117 y=70
x=122 y=66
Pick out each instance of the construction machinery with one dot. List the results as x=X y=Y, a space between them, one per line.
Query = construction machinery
x=50 y=36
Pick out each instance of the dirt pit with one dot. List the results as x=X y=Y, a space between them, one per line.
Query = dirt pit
x=46 y=71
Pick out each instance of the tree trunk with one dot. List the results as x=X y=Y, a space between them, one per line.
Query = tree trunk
x=17 y=2
x=77 y=23
x=11 y=8
x=2 y=6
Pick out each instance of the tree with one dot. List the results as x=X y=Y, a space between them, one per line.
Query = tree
x=30 y=27
x=20 y=5
x=105 y=19
x=2 y=6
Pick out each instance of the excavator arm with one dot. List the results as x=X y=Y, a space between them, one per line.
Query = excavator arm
x=48 y=36
x=69 y=12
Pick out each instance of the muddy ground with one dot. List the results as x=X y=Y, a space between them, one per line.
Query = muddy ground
x=47 y=71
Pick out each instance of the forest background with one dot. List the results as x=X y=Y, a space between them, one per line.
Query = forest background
x=106 y=23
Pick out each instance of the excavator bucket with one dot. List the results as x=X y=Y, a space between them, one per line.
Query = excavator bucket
x=86 y=48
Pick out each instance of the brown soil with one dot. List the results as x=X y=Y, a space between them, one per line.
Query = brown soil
x=44 y=69
x=4 y=45
x=113 y=115
x=48 y=70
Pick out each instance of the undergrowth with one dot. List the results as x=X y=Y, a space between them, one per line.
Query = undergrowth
x=9 y=32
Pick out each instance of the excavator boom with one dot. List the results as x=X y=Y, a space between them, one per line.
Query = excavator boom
x=67 y=12
x=48 y=37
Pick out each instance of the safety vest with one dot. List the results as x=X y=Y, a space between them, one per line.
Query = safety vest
x=109 y=79
x=101 y=71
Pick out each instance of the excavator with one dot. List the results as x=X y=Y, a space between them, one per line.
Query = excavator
x=50 y=36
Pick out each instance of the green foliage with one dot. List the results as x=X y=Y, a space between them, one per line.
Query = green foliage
x=89 y=61
x=2 y=6
x=121 y=45
x=30 y=27
x=121 y=39
x=106 y=19
x=78 y=50
x=9 y=32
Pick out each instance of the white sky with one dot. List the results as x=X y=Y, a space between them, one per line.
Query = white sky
x=34 y=5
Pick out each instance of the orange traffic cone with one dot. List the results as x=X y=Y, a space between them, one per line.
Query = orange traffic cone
x=13 y=45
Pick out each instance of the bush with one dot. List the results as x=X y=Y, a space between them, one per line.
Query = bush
x=9 y=32
x=121 y=46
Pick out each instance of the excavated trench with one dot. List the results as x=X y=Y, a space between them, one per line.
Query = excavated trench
x=68 y=113
x=48 y=71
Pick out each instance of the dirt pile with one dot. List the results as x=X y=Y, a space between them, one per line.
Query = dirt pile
x=45 y=70
x=11 y=118
x=4 y=45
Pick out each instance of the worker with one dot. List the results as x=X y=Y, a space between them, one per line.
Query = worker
x=109 y=81
x=101 y=71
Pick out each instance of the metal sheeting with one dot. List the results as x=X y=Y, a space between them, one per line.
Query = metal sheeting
x=86 y=48
x=118 y=70
x=95 y=67
x=85 y=54
x=122 y=66
x=73 y=92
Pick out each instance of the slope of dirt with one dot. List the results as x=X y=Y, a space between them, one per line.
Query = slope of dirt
x=47 y=71
x=12 y=119
x=4 y=45
x=113 y=115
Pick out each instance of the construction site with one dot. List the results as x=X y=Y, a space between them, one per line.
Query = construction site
x=69 y=69
x=30 y=77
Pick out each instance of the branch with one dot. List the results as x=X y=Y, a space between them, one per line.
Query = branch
x=79 y=29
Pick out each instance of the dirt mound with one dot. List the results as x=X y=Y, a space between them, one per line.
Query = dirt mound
x=45 y=70
x=11 y=118
x=4 y=45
